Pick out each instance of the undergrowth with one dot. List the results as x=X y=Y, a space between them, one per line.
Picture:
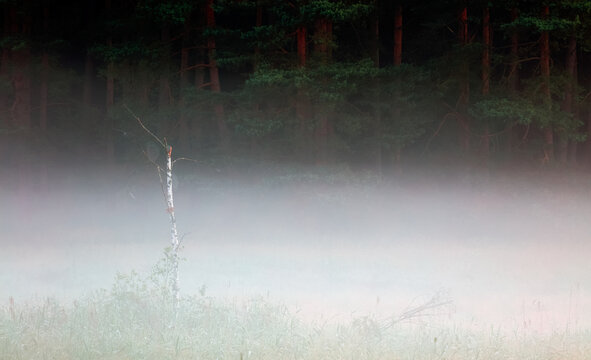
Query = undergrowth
x=135 y=319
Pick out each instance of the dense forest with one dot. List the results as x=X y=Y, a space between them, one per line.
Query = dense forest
x=369 y=83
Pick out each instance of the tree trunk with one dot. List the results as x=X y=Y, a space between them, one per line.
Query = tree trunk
x=322 y=47
x=214 y=77
x=199 y=81
x=514 y=68
x=174 y=237
x=109 y=98
x=257 y=49
x=568 y=104
x=513 y=81
x=375 y=55
x=43 y=91
x=165 y=94
x=5 y=64
x=144 y=85
x=464 y=98
x=43 y=95
x=323 y=39
x=43 y=86
x=374 y=38
x=88 y=80
x=183 y=83
x=588 y=142
x=20 y=79
x=302 y=45
x=545 y=70
x=21 y=86
x=302 y=102
x=398 y=36
x=397 y=62
x=486 y=43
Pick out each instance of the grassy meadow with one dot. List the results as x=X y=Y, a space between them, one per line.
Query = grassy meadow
x=135 y=319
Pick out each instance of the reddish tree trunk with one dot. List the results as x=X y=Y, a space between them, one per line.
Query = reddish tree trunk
x=199 y=82
x=109 y=98
x=397 y=62
x=109 y=102
x=43 y=91
x=165 y=94
x=5 y=64
x=568 y=148
x=21 y=85
x=257 y=49
x=44 y=77
x=464 y=97
x=323 y=39
x=88 y=80
x=214 y=77
x=183 y=83
x=322 y=46
x=199 y=71
x=545 y=70
x=486 y=42
x=514 y=68
x=513 y=81
x=375 y=55
x=302 y=102
x=398 y=35
x=588 y=143
x=302 y=45
x=144 y=85
x=374 y=40
x=20 y=79
x=463 y=25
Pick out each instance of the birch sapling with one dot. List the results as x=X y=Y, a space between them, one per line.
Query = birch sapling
x=172 y=256
x=174 y=237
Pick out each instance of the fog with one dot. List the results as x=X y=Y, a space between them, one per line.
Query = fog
x=510 y=249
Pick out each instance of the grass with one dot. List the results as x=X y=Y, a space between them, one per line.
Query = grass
x=135 y=320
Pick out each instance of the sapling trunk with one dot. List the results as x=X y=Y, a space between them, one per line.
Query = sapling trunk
x=172 y=256
x=174 y=237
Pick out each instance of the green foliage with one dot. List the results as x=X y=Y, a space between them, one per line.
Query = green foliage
x=352 y=94
x=337 y=11
x=266 y=97
x=506 y=109
x=170 y=11
x=131 y=50
x=541 y=25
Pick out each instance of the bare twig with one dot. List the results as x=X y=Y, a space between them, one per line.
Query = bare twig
x=168 y=196
x=419 y=311
x=186 y=159
x=436 y=132
x=144 y=127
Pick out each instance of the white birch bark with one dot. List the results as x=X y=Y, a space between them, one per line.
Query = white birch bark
x=174 y=237
x=173 y=257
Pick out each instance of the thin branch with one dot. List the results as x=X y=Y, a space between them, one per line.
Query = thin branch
x=524 y=60
x=186 y=159
x=436 y=132
x=525 y=134
x=204 y=85
x=144 y=127
x=419 y=311
x=182 y=238
x=160 y=171
x=196 y=66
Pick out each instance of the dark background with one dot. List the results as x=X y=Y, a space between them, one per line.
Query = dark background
x=231 y=83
